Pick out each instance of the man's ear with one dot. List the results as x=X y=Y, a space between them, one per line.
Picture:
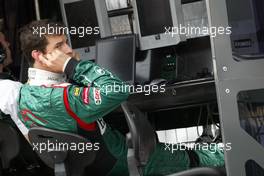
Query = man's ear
x=35 y=55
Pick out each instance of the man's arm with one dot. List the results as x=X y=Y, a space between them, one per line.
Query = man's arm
x=98 y=91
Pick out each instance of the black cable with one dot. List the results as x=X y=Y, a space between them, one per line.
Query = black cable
x=212 y=119
x=199 y=118
x=208 y=113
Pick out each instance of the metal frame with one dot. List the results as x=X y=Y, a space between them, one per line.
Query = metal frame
x=231 y=77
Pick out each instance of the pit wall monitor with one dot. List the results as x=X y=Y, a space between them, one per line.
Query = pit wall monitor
x=153 y=17
x=87 y=21
x=117 y=54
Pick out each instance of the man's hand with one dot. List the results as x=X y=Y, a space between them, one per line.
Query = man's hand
x=54 y=61
x=76 y=55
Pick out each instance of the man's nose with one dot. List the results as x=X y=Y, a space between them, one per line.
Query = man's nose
x=67 y=49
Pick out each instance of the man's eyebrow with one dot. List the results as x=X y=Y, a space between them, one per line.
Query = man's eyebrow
x=59 y=43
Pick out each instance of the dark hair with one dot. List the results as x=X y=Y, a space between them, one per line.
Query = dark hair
x=31 y=40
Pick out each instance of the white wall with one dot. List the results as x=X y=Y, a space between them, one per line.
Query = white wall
x=116 y=4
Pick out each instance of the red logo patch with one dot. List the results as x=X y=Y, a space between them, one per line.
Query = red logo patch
x=97 y=97
x=85 y=94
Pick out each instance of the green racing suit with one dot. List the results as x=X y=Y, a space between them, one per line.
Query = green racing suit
x=81 y=106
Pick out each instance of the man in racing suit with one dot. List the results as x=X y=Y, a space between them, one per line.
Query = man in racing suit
x=49 y=102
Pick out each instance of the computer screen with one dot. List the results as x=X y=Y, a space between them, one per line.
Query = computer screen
x=82 y=14
x=153 y=20
x=87 y=21
x=117 y=54
x=154 y=15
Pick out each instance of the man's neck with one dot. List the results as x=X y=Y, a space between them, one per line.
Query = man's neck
x=39 y=77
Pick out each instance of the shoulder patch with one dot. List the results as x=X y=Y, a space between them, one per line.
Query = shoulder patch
x=76 y=91
x=97 y=96
x=85 y=95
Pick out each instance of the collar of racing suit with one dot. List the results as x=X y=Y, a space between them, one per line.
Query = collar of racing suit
x=38 y=77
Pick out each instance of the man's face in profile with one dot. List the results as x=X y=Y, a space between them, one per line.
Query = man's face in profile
x=58 y=42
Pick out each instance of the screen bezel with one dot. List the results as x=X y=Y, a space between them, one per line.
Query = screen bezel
x=150 y=41
x=116 y=37
x=89 y=52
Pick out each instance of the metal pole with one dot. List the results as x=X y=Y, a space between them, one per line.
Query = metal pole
x=37 y=9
